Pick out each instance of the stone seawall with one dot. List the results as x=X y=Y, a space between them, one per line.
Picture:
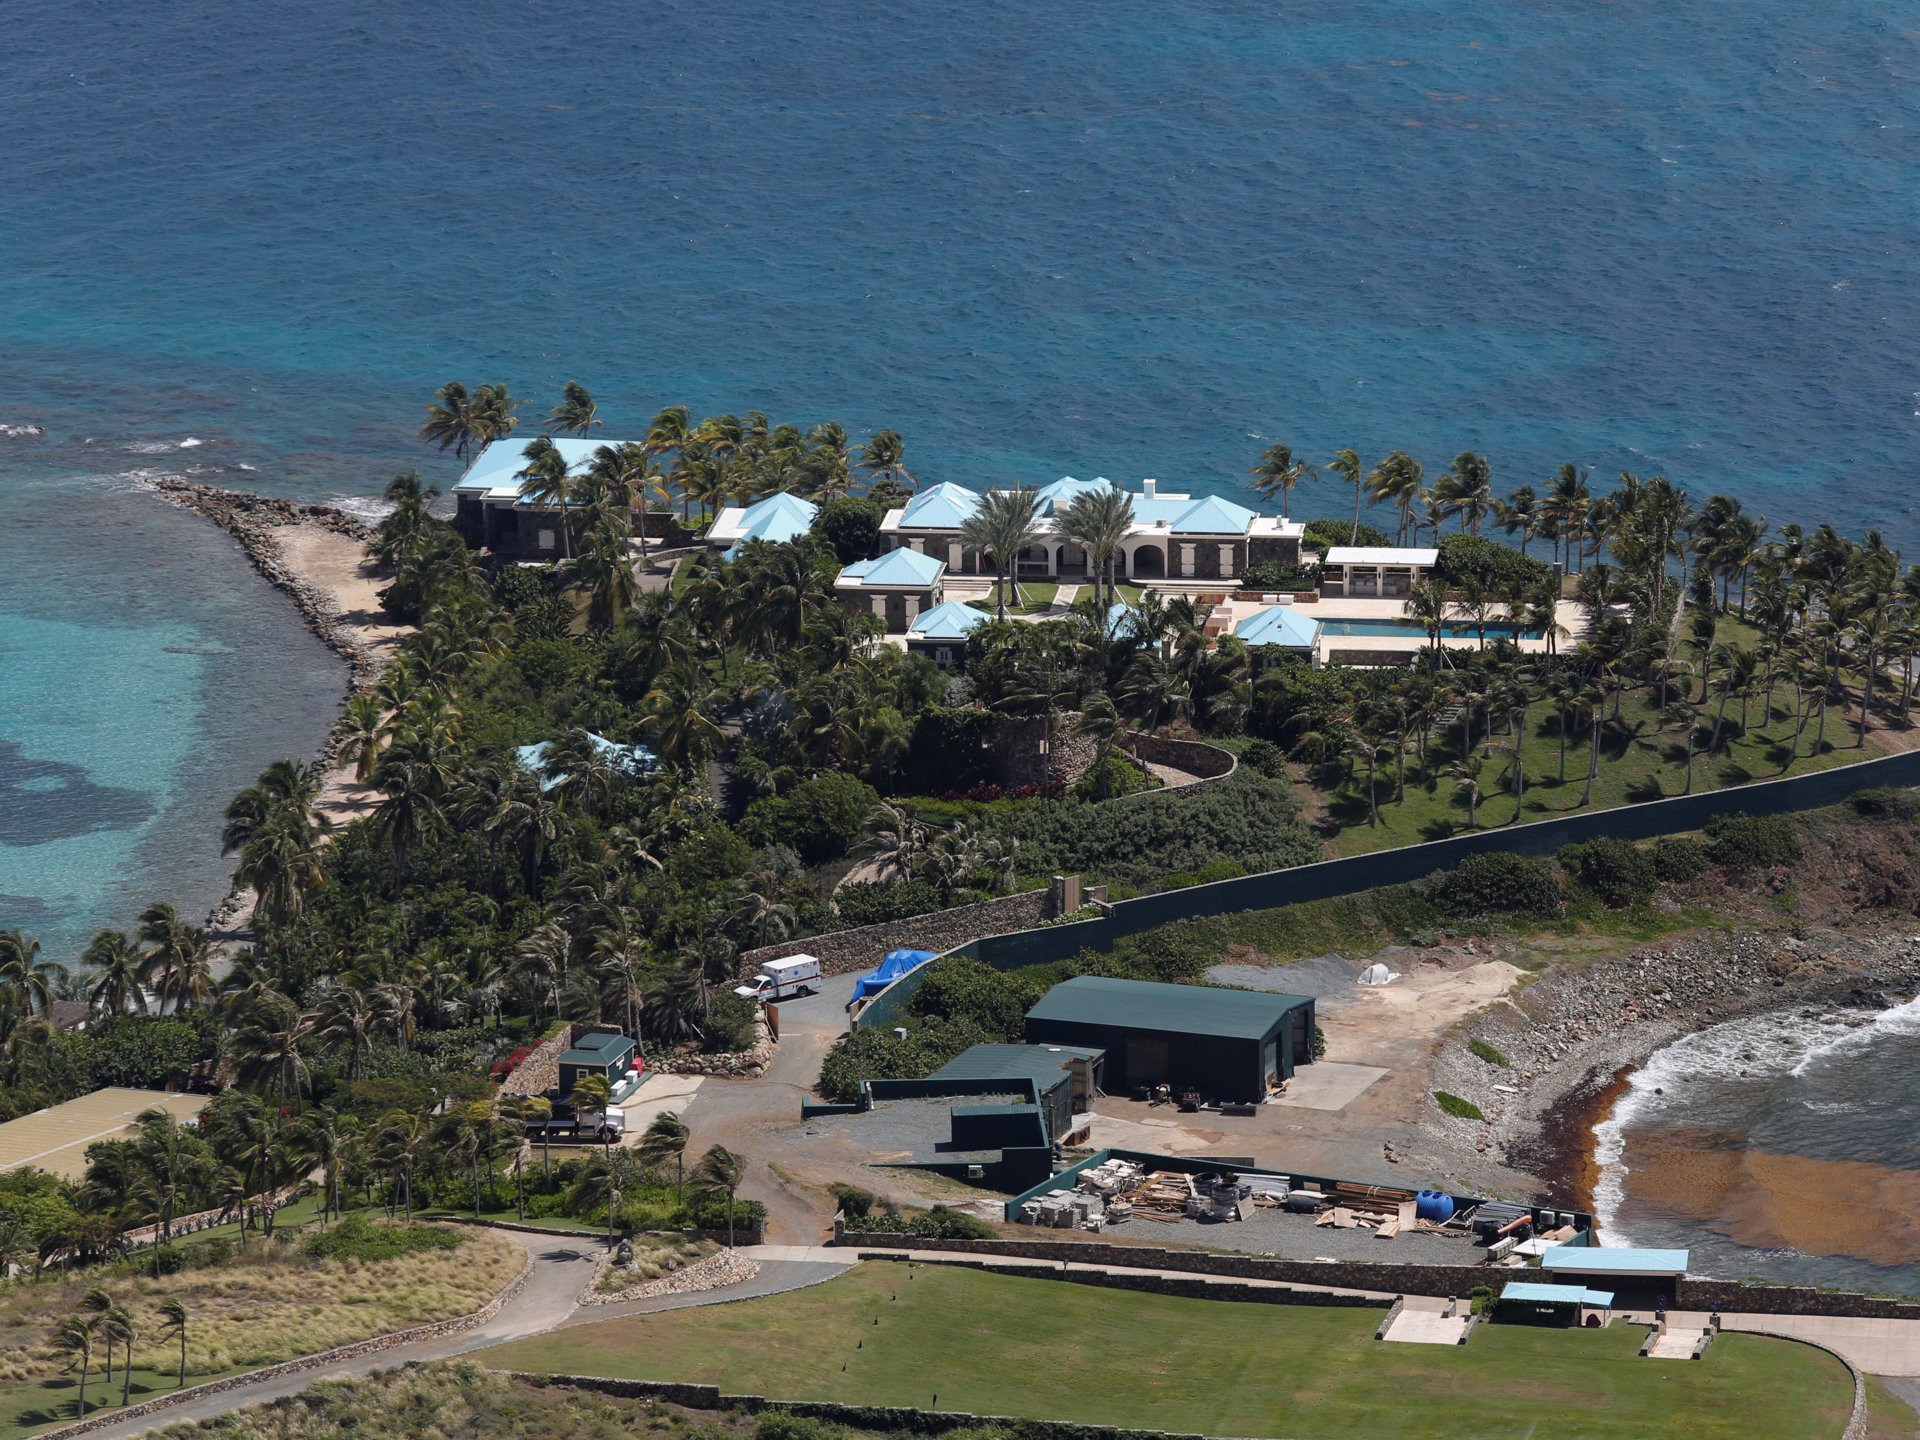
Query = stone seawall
x=1730 y=1296
x=843 y=952
x=113 y=1415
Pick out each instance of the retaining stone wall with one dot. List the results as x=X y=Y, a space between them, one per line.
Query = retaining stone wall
x=865 y=1417
x=1717 y=1296
x=1196 y=757
x=1443 y=1280
x=843 y=952
x=750 y=1063
x=110 y=1415
x=540 y=1071
x=1195 y=1289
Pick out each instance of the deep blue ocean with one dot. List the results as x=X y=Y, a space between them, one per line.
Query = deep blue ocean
x=1126 y=239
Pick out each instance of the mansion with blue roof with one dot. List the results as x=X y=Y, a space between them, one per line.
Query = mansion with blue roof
x=1174 y=537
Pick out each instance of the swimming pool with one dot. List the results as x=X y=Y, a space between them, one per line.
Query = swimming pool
x=1402 y=629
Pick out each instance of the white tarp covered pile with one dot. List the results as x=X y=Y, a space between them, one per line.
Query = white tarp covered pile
x=1378 y=974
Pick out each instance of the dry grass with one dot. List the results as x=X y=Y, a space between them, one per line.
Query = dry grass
x=267 y=1304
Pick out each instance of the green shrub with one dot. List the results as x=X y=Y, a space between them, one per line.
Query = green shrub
x=939 y=1223
x=1321 y=534
x=873 y=902
x=1618 y=871
x=1487 y=1053
x=819 y=818
x=1887 y=801
x=1746 y=842
x=879 y=1055
x=993 y=1001
x=854 y=1202
x=1278 y=575
x=1474 y=559
x=1265 y=758
x=851 y=525
x=1114 y=775
x=1497 y=883
x=730 y=1024
x=1678 y=861
x=1455 y=1106
x=354 y=1239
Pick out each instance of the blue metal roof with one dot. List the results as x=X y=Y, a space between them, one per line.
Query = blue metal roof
x=776 y=519
x=1557 y=1295
x=1063 y=492
x=1279 y=625
x=940 y=507
x=1598 y=1260
x=948 y=621
x=496 y=469
x=897 y=569
x=1213 y=516
x=634 y=759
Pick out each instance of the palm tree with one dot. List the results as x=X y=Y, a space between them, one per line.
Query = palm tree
x=1278 y=472
x=179 y=961
x=679 y=720
x=761 y=907
x=1467 y=489
x=26 y=981
x=628 y=470
x=593 y=1092
x=1519 y=514
x=173 y=1167
x=547 y=479
x=1396 y=481
x=720 y=1173
x=118 y=968
x=1097 y=521
x=74 y=1336
x=360 y=731
x=576 y=413
x=607 y=572
x=666 y=1139
x=669 y=430
x=1003 y=525
x=275 y=826
x=881 y=458
x=398 y=1145
x=173 y=1317
x=1466 y=774
x=1427 y=605
x=1346 y=464
x=117 y=1324
x=451 y=421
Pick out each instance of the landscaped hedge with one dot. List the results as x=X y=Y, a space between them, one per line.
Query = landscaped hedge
x=874 y=902
x=1474 y=559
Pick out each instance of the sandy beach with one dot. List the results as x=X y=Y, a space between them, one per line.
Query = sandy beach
x=317 y=557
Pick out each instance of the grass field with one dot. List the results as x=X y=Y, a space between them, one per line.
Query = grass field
x=262 y=1307
x=1035 y=597
x=1638 y=761
x=890 y=1334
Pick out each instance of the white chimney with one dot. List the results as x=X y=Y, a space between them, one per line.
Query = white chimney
x=1147 y=486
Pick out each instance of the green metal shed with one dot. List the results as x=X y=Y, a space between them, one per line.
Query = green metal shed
x=1231 y=1045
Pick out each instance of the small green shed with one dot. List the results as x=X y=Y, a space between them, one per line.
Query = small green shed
x=599 y=1052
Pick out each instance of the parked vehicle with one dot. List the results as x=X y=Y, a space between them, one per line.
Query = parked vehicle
x=596 y=1125
x=781 y=979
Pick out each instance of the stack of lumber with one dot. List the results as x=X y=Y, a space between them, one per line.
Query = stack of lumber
x=1163 y=1195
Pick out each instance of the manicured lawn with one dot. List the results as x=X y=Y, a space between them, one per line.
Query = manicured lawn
x=1638 y=761
x=1034 y=597
x=889 y=1334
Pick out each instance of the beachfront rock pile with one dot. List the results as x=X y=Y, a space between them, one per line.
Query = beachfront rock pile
x=252 y=519
x=1566 y=1037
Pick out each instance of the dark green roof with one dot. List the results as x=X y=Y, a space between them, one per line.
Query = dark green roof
x=1174 y=1009
x=598 y=1048
x=1045 y=1065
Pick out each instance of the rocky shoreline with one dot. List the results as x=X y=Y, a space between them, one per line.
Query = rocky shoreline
x=1572 y=1038
x=253 y=520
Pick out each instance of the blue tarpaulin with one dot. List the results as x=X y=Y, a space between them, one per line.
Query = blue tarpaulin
x=897 y=963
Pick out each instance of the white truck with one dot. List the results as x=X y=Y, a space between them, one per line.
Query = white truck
x=779 y=979
x=600 y=1126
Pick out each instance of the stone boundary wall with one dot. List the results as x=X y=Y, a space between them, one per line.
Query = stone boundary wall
x=110 y=1415
x=866 y=1417
x=1194 y=1289
x=1717 y=1296
x=1450 y=1281
x=211 y=1219
x=540 y=1071
x=843 y=952
x=744 y=1234
x=1196 y=757
x=749 y=1063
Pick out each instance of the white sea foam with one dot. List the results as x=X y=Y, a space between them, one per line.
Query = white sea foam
x=250 y=469
x=1901 y=1020
x=1757 y=1045
x=370 y=508
x=150 y=447
x=190 y=442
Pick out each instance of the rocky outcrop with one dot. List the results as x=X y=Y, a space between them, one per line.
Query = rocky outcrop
x=729 y=1267
x=251 y=520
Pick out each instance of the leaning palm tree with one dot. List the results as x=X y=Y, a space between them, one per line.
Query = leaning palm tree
x=1427 y=605
x=881 y=458
x=1466 y=774
x=451 y=421
x=74 y=1336
x=1346 y=464
x=1097 y=521
x=720 y=1173
x=546 y=479
x=666 y=1139
x=26 y=981
x=173 y=1318
x=576 y=414
x=360 y=731
x=118 y=968
x=1278 y=472
x=1003 y=525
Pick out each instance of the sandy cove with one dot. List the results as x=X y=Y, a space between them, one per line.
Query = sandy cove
x=317 y=557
